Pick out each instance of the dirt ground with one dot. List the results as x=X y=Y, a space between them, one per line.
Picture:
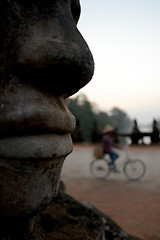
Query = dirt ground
x=135 y=206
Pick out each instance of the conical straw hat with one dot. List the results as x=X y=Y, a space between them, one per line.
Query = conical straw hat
x=108 y=129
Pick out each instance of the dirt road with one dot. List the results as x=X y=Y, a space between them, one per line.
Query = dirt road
x=135 y=206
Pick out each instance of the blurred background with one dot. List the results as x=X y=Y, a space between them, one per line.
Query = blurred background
x=124 y=38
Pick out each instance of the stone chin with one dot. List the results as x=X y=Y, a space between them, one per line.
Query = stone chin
x=28 y=186
x=29 y=180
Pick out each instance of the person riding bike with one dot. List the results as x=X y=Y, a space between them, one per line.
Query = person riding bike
x=108 y=144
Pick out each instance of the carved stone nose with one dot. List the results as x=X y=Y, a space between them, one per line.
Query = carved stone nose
x=60 y=62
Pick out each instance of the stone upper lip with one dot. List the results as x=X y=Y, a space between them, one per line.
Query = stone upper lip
x=32 y=113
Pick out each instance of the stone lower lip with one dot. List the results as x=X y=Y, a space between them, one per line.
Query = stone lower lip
x=37 y=147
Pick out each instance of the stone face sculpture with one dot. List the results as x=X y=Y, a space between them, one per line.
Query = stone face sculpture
x=43 y=60
x=136 y=134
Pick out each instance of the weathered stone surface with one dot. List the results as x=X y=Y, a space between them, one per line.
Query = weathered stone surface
x=64 y=219
x=112 y=230
x=75 y=220
x=43 y=60
x=69 y=219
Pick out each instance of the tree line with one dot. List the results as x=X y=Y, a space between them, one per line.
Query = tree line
x=90 y=121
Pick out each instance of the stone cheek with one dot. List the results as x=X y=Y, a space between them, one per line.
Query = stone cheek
x=27 y=187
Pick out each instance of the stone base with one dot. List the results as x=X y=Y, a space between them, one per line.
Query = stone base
x=69 y=219
x=65 y=219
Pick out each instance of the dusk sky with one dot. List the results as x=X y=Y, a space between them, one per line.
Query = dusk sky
x=124 y=37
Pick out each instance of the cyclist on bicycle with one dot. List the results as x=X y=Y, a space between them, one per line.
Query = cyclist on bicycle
x=108 y=144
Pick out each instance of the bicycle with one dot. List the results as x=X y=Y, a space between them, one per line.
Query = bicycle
x=133 y=168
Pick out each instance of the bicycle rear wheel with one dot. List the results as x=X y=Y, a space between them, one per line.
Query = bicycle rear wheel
x=134 y=169
x=99 y=168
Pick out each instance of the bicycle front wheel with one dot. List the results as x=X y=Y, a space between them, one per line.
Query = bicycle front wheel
x=134 y=169
x=99 y=168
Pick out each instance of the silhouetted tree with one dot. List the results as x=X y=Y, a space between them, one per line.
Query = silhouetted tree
x=82 y=110
x=102 y=119
x=91 y=122
x=120 y=120
x=96 y=135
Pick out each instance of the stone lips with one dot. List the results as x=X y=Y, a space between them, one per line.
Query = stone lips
x=40 y=147
x=35 y=140
x=27 y=111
